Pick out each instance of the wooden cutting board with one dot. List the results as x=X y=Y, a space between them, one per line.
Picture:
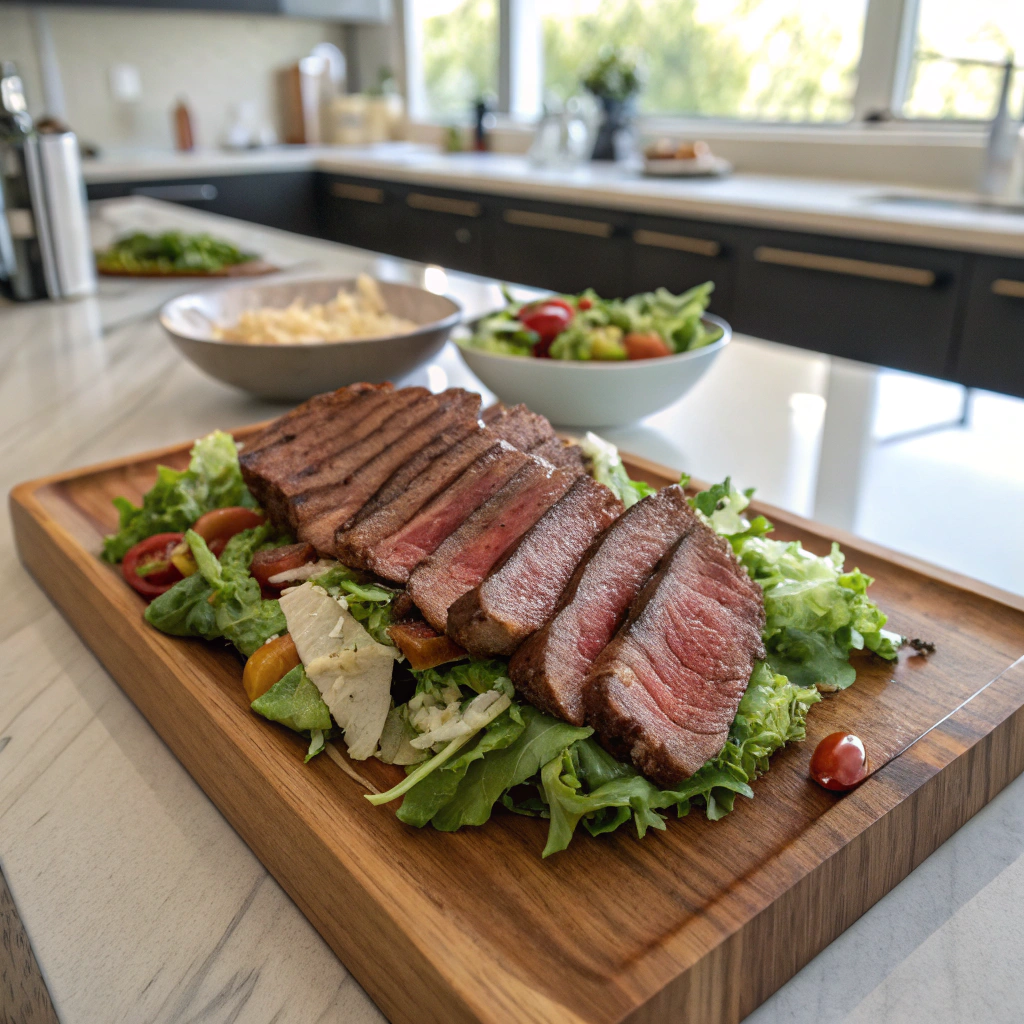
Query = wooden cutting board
x=699 y=923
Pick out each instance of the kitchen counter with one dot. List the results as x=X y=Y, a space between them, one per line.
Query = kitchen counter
x=851 y=209
x=141 y=902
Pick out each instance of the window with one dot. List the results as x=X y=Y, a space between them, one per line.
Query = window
x=776 y=60
x=959 y=55
x=453 y=56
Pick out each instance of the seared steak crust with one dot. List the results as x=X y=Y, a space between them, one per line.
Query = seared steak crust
x=665 y=691
x=551 y=667
x=518 y=597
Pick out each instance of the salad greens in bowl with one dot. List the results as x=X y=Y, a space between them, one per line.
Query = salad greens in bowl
x=584 y=361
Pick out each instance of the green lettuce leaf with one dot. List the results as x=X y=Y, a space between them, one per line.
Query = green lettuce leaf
x=477 y=676
x=185 y=609
x=369 y=603
x=179 y=497
x=294 y=701
x=606 y=468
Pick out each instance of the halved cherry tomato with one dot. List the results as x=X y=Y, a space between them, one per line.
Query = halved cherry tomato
x=269 y=563
x=269 y=664
x=220 y=525
x=585 y=303
x=646 y=346
x=147 y=567
x=839 y=761
x=547 y=319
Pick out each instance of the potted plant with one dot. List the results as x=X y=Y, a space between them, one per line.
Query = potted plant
x=615 y=78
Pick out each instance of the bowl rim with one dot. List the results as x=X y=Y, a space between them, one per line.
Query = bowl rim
x=611 y=365
x=449 y=322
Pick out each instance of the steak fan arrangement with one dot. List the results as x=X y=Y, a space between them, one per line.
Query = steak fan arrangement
x=641 y=623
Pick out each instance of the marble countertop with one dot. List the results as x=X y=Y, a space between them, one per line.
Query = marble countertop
x=863 y=210
x=141 y=902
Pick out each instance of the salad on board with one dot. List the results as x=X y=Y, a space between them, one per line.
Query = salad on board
x=320 y=660
x=586 y=327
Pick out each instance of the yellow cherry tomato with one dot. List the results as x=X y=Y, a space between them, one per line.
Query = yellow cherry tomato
x=269 y=665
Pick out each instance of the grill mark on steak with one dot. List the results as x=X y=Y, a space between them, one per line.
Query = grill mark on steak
x=356 y=546
x=397 y=555
x=561 y=453
x=665 y=691
x=518 y=597
x=550 y=668
x=463 y=560
x=322 y=512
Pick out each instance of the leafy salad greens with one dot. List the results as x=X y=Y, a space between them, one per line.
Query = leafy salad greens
x=467 y=743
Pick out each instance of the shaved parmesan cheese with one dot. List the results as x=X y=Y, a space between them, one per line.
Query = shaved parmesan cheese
x=481 y=709
x=303 y=572
x=350 y=669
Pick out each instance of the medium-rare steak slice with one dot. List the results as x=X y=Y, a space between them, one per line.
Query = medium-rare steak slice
x=320 y=513
x=518 y=597
x=550 y=668
x=665 y=690
x=356 y=546
x=561 y=453
x=398 y=554
x=468 y=555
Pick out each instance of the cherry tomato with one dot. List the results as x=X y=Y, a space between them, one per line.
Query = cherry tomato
x=269 y=563
x=646 y=346
x=147 y=567
x=268 y=665
x=585 y=304
x=220 y=525
x=547 y=319
x=839 y=761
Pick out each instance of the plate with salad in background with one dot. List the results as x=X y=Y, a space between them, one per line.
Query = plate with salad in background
x=585 y=361
x=178 y=254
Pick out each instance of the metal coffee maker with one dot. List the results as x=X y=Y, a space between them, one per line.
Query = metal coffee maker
x=44 y=227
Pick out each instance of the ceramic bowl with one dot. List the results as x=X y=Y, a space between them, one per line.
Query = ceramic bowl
x=295 y=372
x=595 y=394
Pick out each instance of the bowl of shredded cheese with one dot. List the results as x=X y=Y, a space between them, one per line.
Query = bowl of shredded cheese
x=293 y=339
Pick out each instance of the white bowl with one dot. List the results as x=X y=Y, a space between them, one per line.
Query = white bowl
x=296 y=372
x=574 y=393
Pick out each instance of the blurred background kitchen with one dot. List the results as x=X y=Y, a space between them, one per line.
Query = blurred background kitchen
x=850 y=176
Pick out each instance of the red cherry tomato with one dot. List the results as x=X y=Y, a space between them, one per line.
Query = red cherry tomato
x=547 y=319
x=839 y=761
x=585 y=304
x=147 y=567
x=646 y=346
x=220 y=525
x=269 y=563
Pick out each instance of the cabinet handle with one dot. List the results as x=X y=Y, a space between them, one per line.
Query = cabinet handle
x=683 y=243
x=178 y=193
x=843 y=265
x=551 y=222
x=439 y=204
x=1007 y=288
x=360 y=193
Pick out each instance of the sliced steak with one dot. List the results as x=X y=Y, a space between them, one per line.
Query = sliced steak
x=492 y=413
x=523 y=428
x=358 y=546
x=550 y=668
x=465 y=558
x=518 y=597
x=398 y=554
x=665 y=691
x=319 y=513
x=561 y=453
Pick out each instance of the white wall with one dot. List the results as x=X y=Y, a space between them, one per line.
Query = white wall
x=214 y=60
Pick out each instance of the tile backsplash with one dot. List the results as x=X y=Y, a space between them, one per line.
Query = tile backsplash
x=213 y=60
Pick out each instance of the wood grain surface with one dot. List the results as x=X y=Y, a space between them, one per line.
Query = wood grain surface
x=701 y=922
x=24 y=998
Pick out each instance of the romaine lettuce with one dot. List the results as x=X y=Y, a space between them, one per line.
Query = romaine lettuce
x=606 y=468
x=369 y=603
x=179 y=497
x=295 y=702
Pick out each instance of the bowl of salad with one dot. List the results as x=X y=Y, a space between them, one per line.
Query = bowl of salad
x=584 y=361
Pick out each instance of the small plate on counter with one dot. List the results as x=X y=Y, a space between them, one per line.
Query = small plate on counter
x=670 y=159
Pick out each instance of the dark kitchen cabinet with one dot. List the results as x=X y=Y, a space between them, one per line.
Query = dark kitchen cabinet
x=283 y=199
x=887 y=304
x=678 y=254
x=562 y=248
x=358 y=212
x=990 y=353
x=447 y=228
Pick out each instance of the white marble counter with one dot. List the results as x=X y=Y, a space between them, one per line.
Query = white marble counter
x=141 y=902
x=799 y=204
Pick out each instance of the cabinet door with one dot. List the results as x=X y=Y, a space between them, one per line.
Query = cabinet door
x=991 y=350
x=887 y=304
x=446 y=228
x=359 y=212
x=678 y=254
x=565 y=249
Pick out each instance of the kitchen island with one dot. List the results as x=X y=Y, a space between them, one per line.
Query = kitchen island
x=141 y=902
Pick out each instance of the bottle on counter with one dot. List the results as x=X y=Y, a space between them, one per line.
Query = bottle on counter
x=184 y=139
x=22 y=275
x=483 y=122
